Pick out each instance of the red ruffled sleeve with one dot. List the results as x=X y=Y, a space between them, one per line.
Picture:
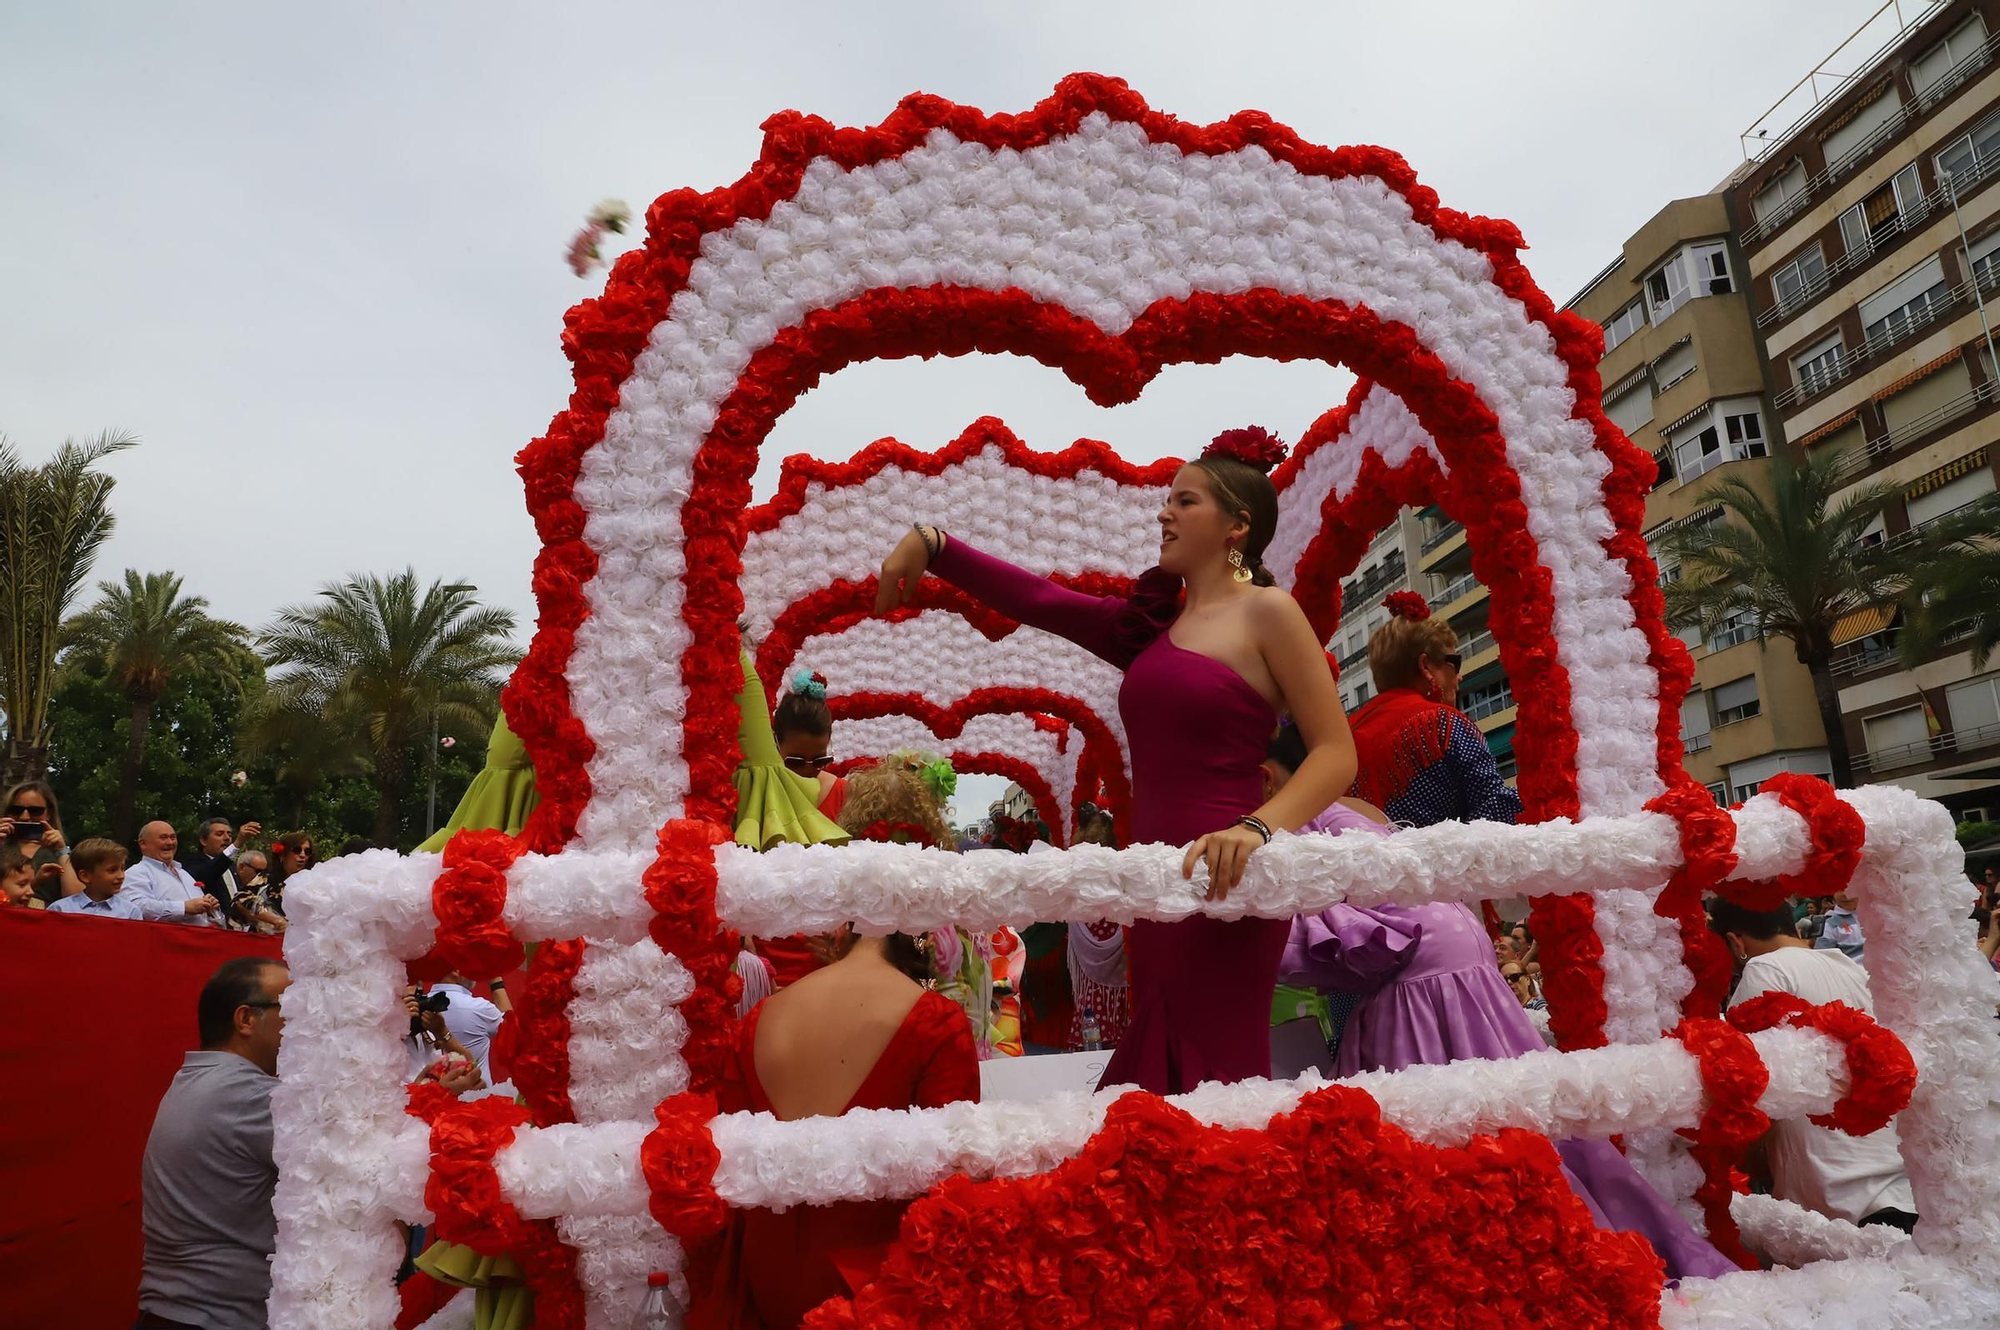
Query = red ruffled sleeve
x=951 y=1071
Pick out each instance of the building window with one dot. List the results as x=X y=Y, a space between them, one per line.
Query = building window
x=1864 y=130
x=1711 y=269
x=1897 y=739
x=1878 y=218
x=1803 y=279
x=1623 y=324
x=1695 y=721
x=1972 y=154
x=1736 y=700
x=1779 y=197
x=1983 y=259
x=1738 y=628
x=1633 y=407
x=1697 y=453
x=1946 y=499
x=1975 y=711
x=1720 y=793
x=1696 y=270
x=1676 y=364
x=1820 y=365
x=1663 y=464
x=1959 y=46
x=1746 y=435
x=1667 y=288
x=1910 y=302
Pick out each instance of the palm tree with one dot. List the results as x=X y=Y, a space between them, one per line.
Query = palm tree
x=387 y=658
x=146 y=634
x=53 y=520
x=1960 y=589
x=309 y=749
x=1793 y=562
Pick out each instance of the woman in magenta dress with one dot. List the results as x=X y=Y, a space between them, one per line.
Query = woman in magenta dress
x=1206 y=682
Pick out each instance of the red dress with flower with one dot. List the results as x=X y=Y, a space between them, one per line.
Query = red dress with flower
x=774 y=1268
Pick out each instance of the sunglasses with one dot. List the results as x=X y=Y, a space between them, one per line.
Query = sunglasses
x=808 y=766
x=1454 y=660
x=27 y=810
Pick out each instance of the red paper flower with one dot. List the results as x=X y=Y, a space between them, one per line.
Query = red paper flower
x=679 y=1158
x=1734 y=1078
x=1252 y=445
x=1837 y=834
x=1329 y=1217
x=1407 y=605
x=897 y=833
x=468 y=898
x=1881 y=1073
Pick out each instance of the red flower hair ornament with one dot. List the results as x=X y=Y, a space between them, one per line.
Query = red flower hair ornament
x=1407 y=605
x=1252 y=445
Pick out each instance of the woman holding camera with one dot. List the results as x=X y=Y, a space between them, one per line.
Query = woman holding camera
x=31 y=819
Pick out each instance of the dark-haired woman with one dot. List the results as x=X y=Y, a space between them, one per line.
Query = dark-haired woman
x=864 y=1032
x=34 y=801
x=1206 y=681
x=803 y=728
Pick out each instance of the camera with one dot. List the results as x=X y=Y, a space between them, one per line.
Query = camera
x=30 y=830
x=426 y=1003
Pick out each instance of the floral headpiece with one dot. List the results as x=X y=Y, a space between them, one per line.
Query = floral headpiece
x=897 y=833
x=940 y=778
x=1407 y=605
x=808 y=684
x=1252 y=445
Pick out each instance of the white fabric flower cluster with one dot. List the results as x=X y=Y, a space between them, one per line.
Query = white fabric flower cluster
x=1381 y=424
x=352 y=1161
x=1048 y=524
x=959 y=212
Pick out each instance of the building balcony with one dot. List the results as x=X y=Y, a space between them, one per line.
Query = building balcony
x=1438 y=536
x=1886 y=235
x=1912 y=434
x=1942 y=747
x=1697 y=743
x=1817 y=186
x=1949 y=305
x=1456 y=590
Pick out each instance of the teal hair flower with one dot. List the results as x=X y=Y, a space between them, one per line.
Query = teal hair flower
x=807 y=684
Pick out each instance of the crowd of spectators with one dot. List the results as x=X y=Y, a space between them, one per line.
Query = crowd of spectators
x=222 y=879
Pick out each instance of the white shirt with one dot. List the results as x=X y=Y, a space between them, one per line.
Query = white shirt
x=118 y=905
x=162 y=891
x=1847 y=1177
x=472 y=1021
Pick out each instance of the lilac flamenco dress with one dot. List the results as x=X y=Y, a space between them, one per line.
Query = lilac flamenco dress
x=1201 y=988
x=1433 y=994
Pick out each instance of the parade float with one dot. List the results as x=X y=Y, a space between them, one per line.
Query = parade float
x=1108 y=240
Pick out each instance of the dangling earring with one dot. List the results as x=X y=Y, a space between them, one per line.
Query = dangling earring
x=1238 y=571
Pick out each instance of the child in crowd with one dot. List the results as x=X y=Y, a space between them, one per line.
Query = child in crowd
x=17 y=876
x=100 y=865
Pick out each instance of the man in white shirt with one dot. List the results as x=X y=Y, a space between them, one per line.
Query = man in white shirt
x=1856 y=1178
x=473 y=1021
x=162 y=889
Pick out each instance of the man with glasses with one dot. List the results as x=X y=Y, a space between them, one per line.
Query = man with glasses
x=162 y=889
x=214 y=853
x=208 y=1174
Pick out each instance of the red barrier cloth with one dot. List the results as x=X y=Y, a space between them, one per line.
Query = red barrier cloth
x=98 y=1013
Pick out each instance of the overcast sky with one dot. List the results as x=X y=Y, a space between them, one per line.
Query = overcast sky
x=312 y=256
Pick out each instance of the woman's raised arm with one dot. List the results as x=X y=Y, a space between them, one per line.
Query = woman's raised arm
x=1089 y=621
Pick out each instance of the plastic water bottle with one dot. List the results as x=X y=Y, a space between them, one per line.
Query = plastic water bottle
x=1093 y=1038
x=661 y=1310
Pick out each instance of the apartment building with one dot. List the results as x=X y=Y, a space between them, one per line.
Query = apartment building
x=1869 y=235
x=1683 y=378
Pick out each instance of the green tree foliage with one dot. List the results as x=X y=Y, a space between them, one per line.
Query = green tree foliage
x=1960 y=595
x=1791 y=561
x=53 y=520
x=392 y=660
x=146 y=634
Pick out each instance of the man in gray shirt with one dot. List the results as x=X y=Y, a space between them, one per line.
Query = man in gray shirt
x=208 y=1174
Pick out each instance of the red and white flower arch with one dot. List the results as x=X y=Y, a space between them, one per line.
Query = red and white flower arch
x=1108 y=240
